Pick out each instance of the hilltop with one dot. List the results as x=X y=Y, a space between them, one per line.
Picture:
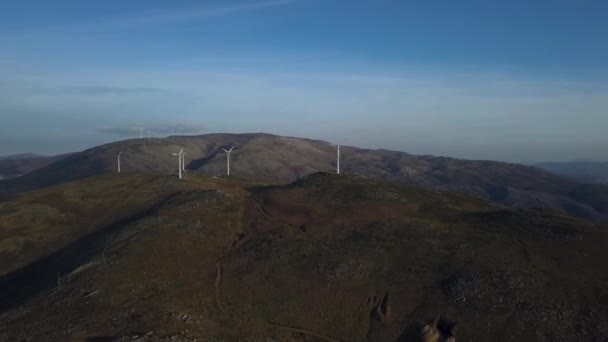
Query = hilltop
x=326 y=258
x=281 y=160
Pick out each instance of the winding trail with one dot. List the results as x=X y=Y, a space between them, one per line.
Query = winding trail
x=218 y=264
x=218 y=280
x=219 y=273
x=271 y=217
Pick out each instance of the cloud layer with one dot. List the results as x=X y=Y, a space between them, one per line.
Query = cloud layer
x=134 y=130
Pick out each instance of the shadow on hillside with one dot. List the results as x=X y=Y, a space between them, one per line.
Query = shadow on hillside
x=102 y=339
x=411 y=333
x=199 y=163
x=21 y=285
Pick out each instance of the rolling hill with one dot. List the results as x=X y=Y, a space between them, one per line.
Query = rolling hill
x=326 y=258
x=284 y=159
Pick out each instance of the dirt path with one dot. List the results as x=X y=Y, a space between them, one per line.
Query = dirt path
x=218 y=280
x=219 y=274
x=269 y=216
x=218 y=264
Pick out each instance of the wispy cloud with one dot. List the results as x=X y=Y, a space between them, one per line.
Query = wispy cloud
x=153 y=129
x=143 y=19
x=100 y=90
x=189 y=14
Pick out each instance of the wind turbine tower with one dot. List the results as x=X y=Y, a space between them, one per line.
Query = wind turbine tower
x=228 y=159
x=183 y=162
x=179 y=162
x=337 y=157
x=338 y=161
x=118 y=160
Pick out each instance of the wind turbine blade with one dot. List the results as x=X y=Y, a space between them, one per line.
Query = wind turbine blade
x=175 y=154
x=180 y=151
x=231 y=149
x=224 y=150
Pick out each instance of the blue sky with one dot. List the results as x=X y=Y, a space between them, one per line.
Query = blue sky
x=506 y=80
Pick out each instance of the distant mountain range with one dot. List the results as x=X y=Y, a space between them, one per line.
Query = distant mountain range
x=21 y=164
x=584 y=171
x=23 y=156
x=279 y=159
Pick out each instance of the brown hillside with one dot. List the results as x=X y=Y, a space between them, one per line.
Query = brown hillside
x=327 y=258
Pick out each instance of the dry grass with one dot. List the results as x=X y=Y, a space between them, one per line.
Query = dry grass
x=327 y=258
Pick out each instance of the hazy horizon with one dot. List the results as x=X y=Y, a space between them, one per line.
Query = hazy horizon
x=531 y=162
x=514 y=81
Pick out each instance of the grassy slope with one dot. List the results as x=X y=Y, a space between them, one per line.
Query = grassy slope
x=35 y=224
x=309 y=261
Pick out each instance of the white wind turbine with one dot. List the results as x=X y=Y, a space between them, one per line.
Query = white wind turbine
x=228 y=158
x=179 y=162
x=337 y=157
x=118 y=160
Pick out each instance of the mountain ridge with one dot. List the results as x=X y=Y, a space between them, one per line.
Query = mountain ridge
x=23 y=156
x=21 y=164
x=285 y=159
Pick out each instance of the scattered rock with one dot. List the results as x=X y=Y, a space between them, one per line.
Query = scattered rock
x=440 y=330
x=497 y=291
